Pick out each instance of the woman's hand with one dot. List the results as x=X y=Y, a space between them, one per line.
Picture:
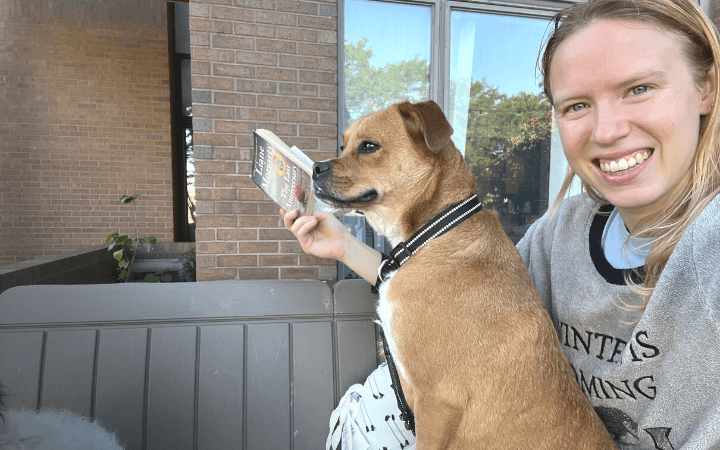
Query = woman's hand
x=324 y=236
x=321 y=234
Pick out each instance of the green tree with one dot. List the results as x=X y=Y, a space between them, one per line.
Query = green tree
x=506 y=136
x=369 y=88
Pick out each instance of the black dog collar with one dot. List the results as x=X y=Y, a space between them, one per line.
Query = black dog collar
x=440 y=224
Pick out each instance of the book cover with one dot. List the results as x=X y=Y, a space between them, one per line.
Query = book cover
x=284 y=173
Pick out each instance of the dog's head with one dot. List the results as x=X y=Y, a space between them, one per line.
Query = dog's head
x=393 y=165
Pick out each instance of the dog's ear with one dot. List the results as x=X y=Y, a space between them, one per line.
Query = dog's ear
x=426 y=120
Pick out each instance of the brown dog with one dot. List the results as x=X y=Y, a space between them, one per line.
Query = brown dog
x=477 y=354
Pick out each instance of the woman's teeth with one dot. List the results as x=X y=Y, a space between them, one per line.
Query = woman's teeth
x=625 y=162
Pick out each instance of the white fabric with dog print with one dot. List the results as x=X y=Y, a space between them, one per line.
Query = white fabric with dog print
x=367 y=417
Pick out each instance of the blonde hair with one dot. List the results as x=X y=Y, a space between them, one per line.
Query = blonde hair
x=701 y=183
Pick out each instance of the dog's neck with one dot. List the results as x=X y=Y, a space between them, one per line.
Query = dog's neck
x=451 y=183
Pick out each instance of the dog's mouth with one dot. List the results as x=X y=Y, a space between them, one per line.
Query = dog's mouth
x=366 y=197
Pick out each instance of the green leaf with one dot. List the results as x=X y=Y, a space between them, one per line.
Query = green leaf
x=127 y=199
x=151 y=277
x=118 y=255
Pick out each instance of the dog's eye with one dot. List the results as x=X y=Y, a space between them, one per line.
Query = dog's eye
x=366 y=147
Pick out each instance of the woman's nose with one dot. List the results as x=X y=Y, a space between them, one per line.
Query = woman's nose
x=609 y=125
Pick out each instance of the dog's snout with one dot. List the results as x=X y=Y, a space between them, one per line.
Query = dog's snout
x=320 y=168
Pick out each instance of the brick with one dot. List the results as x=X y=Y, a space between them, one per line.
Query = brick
x=250 y=195
x=236 y=234
x=231 y=154
x=258 y=273
x=199 y=96
x=216 y=247
x=265 y=73
x=215 y=194
x=235 y=99
x=236 y=208
x=297 y=7
x=278 y=260
x=326 y=91
x=234 y=14
x=257 y=114
x=253 y=29
x=299 y=273
x=234 y=70
x=199 y=10
x=213 y=26
x=279 y=234
x=216 y=274
x=221 y=167
x=299 y=62
x=237 y=260
x=214 y=112
x=318 y=130
x=276 y=46
x=216 y=83
x=326 y=50
x=297 y=116
x=272 y=101
x=297 y=34
x=327 y=10
x=309 y=260
x=215 y=2
x=208 y=54
x=227 y=126
x=306 y=76
x=247 y=221
x=256 y=58
x=329 y=64
x=275 y=18
x=200 y=67
x=257 y=247
x=214 y=139
x=233 y=42
x=328 y=118
x=305 y=90
x=317 y=23
x=200 y=124
x=328 y=37
x=256 y=86
x=256 y=4
x=280 y=129
x=318 y=104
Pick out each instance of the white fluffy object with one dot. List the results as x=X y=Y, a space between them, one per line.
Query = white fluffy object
x=53 y=430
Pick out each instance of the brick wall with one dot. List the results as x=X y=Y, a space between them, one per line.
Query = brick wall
x=84 y=119
x=257 y=64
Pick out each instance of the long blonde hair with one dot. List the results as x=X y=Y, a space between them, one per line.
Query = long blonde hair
x=701 y=183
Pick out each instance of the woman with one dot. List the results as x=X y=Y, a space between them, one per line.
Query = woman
x=629 y=269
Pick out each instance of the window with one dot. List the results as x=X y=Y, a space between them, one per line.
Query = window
x=181 y=113
x=501 y=118
x=478 y=62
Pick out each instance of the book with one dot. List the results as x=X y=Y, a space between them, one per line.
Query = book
x=285 y=174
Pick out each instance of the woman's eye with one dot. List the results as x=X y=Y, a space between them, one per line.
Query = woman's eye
x=639 y=90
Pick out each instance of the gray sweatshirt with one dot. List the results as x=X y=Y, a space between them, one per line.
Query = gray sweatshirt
x=653 y=377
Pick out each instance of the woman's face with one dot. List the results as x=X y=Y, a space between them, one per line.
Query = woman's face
x=628 y=112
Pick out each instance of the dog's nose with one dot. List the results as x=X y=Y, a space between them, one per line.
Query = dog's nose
x=320 y=168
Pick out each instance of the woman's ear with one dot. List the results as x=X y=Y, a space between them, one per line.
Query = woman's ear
x=708 y=92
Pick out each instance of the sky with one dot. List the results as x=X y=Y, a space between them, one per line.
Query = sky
x=504 y=48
